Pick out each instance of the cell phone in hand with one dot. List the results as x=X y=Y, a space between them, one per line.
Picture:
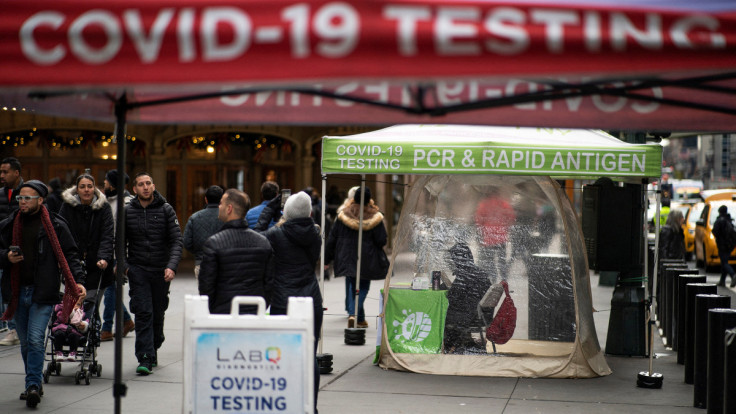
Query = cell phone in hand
x=16 y=250
x=285 y=193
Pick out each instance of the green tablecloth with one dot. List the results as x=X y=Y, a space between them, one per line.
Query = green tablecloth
x=415 y=320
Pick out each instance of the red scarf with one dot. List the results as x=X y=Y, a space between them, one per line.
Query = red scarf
x=71 y=292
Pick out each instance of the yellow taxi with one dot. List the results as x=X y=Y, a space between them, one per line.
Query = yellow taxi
x=691 y=212
x=706 y=252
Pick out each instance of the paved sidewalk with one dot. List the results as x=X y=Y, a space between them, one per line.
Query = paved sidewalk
x=356 y=385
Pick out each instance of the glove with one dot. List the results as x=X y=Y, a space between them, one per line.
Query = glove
x=275 y=204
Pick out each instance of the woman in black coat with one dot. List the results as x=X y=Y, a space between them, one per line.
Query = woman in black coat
x=296 y=243
x=89 y=217
x=672 y=237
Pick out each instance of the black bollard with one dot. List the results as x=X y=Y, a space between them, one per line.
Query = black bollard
x=703 y=303
x=661 y=299
x=692 y=290
x=670 y=279
x=719 y=320
x=683 y=281
x=675 y=315
x=729 y=377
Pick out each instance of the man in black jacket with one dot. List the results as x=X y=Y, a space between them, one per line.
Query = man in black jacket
x=11 y=182
x=154 y=244
x=236 y=261
x=203 y=224
x=43 y=253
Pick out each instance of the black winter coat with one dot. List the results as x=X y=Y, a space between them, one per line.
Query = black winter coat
x=296 y=244
x=93 y=231
x=236 y=261
x=721 y=229
x=8 y=207
x=152 y=235
x=46 y=274
x=671 y=243
x=342 y=246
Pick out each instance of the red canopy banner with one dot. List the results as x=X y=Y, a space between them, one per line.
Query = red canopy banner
x=566 y=63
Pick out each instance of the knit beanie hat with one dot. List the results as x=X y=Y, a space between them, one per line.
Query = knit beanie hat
x=38 y=186
x=298 y=205
x=367 y=195
x=112 y=177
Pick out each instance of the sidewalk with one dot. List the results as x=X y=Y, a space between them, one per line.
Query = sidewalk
x=356 y=385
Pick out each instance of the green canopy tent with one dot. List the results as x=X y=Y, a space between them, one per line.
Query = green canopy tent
x=543 y=257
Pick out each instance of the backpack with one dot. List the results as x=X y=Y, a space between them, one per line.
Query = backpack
x=504 y=323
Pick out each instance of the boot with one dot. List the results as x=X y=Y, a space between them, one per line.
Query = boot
x=733 y=281
x=722 y=282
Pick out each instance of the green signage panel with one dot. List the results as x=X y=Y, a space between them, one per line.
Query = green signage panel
x=415 y=320
x=474 y=157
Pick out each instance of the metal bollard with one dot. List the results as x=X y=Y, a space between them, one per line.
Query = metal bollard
x=671 y=276
x=680 y=325
x=729 y=377
x=665 y=264
x=692 y=290
x=718 y=321
x=703 y=303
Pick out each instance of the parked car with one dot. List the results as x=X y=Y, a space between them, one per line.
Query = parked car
x=706 y=252
x=692 y=216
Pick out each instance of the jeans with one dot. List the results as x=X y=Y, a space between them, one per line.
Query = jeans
x=726 y=267
x=365 y=285
x=149 y=299
x=31 y=320
x=108 y=315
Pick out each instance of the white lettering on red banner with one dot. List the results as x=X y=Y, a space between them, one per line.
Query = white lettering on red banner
x=335 y=30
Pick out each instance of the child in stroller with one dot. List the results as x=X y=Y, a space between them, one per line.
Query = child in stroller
x=72 y=333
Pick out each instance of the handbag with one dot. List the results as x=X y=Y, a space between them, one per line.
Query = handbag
x=503 y=325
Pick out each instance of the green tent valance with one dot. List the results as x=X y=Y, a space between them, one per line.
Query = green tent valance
x=464 y=149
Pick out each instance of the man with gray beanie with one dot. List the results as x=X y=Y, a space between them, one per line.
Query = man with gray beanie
x=37 y=251
x=296 y=243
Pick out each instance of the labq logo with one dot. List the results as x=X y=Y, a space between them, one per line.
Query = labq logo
x=273 y=354
x=414 y=328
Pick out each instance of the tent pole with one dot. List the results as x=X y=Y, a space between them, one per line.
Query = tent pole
x=360 y=245
x=322 y=255
x=119 y=388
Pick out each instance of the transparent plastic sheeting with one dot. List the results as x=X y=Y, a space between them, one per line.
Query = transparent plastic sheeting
x=472 y=232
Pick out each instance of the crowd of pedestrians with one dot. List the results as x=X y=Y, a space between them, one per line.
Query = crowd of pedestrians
x=50 y=235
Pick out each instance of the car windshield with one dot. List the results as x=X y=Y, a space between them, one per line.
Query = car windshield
x=694 y=216
x=716 y=205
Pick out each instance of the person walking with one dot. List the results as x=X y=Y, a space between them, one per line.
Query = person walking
x=37 y=251
x=54 y=201
x=269 y=191
x=723 y=231
x=236 y=261
x=672 y=237
x=296 y=243
x=89 y=218
x=11 y=183
x=154 y=245
x=342 y=247
x=203 y=224
x=109 y=301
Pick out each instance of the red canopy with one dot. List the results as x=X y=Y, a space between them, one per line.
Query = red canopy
x=634 y=64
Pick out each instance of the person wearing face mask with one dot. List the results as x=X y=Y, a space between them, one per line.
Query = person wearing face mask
x=37 y=252
x=89 y=217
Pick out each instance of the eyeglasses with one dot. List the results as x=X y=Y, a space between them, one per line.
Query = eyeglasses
x=26 y=198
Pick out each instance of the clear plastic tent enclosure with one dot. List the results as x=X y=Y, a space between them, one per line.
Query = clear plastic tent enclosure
x=486 y=215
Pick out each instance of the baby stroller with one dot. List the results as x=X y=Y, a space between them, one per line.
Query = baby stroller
x=86 y=353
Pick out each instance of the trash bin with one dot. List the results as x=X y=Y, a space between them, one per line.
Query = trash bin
x=626 y=324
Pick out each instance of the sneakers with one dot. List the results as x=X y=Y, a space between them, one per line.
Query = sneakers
x=10 y=339
x=145 y=366
x=72 y=356
x=363 y=324
x=59 y=356
x=351 y=321
x=128 y=327
x=106 y=336
x=33 y=396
